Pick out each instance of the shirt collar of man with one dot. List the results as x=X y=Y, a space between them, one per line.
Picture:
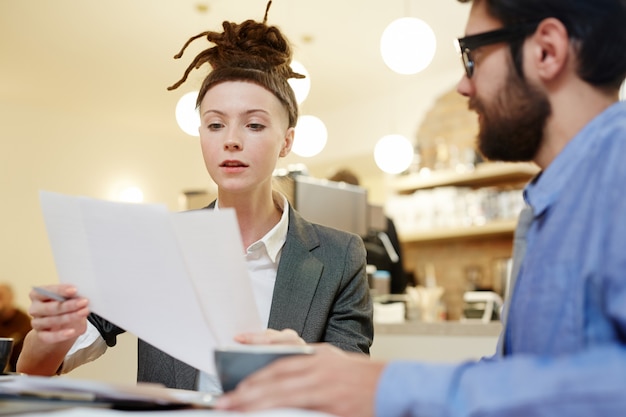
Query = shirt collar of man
x=273 y=240
x=544 y=190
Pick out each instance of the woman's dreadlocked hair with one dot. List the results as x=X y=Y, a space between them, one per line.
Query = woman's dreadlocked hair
x=248 y=51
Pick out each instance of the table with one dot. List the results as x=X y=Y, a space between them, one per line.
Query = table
x=105 y=412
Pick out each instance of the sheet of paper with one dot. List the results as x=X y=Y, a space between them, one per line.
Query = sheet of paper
x=176 y=280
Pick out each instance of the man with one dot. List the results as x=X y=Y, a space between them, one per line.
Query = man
x=543 y=76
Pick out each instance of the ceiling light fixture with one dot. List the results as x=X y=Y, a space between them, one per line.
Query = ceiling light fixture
x=129 y=194
x=408 y=45
x=393 y=154
x=187 y=115
x=310 y=137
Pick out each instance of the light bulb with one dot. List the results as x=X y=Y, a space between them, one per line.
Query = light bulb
x=310 y=136
x=393 y=154
x=130 y=194
x=408 y=45
x=187 y=115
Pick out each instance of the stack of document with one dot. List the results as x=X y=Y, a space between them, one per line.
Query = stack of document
x=39 y=393
x=179 y=281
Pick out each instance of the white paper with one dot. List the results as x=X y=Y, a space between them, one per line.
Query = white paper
x=176 y=280
x=46 y=388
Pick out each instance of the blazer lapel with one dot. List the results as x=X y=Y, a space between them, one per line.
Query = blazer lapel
x=297 y=277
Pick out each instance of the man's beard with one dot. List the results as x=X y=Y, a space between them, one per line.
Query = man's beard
x=512 y=127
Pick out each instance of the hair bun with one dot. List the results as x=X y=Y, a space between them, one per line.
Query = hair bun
x=249 y=44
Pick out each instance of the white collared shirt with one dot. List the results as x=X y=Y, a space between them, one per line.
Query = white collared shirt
x=262 y=258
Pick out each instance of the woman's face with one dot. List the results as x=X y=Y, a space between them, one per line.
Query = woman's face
x=243 y=131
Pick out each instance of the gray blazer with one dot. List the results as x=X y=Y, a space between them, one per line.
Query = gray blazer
x=321 y=292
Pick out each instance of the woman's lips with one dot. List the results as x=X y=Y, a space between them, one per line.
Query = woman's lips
x=233 y=166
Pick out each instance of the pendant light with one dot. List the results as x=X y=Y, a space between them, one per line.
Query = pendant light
x=187 y=115
x=408 y=45
x=393 y=154
x=310 y=136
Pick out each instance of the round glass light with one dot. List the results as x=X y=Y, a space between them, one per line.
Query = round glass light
x=310 y=136
x=187 y=115
x=301 y=86
x=408 y=45
x=130 y=194
x=393 y=154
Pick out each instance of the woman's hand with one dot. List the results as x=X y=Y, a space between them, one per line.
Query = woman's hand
x=56 y=326
x=58 y=321
x=271 y=337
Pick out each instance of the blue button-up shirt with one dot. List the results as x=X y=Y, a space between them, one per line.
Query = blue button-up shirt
x=566 y=326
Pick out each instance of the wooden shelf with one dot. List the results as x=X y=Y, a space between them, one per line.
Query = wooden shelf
x=492 y=229
x=486 y=174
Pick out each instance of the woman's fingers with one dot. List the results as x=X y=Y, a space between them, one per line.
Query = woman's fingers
x=270 y=337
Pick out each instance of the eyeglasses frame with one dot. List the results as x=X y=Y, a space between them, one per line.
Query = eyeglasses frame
x=506 y=34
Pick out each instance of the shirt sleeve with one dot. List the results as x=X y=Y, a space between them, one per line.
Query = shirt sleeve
x=88 y=347
x=578 y=385
x=107 y=330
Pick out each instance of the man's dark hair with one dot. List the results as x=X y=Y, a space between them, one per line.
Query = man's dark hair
x=596 y=27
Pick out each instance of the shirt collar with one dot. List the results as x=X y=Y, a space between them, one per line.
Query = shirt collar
x=546 y=187
x=273 y=240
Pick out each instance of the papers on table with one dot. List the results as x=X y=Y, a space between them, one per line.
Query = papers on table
x=176 y=280
x=61 y=391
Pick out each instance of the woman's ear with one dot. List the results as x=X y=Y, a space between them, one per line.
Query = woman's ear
x=551 y=49
x=287 y=142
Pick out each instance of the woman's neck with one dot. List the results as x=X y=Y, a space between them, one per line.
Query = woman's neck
x=256 y=214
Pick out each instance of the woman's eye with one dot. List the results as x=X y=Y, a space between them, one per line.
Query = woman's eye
x=256 y=126
x=214 y=126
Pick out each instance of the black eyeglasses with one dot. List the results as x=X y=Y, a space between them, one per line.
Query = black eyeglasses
x=507 y=34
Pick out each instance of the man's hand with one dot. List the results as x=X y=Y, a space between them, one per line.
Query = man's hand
x=330 y=381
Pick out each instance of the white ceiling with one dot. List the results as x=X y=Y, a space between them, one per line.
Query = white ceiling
x=114 y=57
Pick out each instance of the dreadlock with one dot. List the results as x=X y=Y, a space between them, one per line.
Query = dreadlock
x=248 y=51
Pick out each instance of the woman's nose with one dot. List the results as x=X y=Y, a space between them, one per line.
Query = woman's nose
x=232 y=142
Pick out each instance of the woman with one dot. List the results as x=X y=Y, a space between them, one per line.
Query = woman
x=309 y=281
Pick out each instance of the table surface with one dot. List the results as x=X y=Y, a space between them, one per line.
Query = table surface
x=105 y=412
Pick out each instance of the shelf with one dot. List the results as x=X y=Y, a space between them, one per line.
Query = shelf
x=492 y=229
x=486 y=174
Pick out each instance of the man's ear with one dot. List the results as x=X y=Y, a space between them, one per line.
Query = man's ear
x=550 y=51
x=287 y=142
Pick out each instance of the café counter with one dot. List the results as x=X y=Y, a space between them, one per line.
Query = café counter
x=445 y=341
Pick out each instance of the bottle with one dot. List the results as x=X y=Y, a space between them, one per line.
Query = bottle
x=382 y=282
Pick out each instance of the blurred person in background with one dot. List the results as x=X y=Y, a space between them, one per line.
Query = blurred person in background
x=383 y=246
x=14 y=322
